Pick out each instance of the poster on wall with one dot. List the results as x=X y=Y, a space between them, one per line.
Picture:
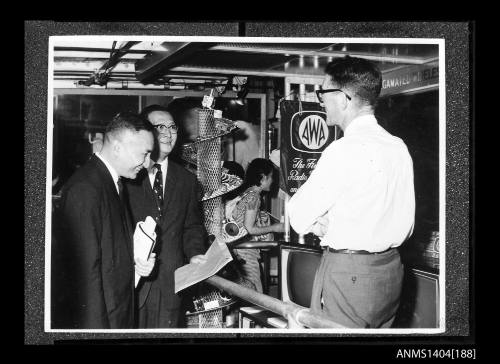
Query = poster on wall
x=304 y=136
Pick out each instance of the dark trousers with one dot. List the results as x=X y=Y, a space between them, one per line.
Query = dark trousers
x=358 y=290
x=156 y=314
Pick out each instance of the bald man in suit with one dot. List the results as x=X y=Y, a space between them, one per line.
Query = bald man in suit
x=93 y=256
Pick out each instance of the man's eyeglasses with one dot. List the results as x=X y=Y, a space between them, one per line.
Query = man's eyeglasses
x=163 y=128
x=319 y=93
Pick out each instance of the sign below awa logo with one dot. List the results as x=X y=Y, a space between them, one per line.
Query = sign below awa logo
x=313 y=132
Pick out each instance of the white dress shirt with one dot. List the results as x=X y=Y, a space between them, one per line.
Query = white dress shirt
x=363 y=186
x=111 y=170
x=152 y=173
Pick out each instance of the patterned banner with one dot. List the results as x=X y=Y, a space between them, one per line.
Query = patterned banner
x=304 y=135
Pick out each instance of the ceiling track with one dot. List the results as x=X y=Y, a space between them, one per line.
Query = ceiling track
x=157 y=64
x=239 y=72
x=311 y=53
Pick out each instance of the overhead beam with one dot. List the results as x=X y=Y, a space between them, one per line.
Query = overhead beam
x=301 y=52
x=158 y=63
x=260 y=73
x=191 y=76
x=99 y=50
x=70 y=55
x=237 y=72
x=91 y=66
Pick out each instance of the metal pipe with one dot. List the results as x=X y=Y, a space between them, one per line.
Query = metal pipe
x=246 y=72
x=114 y=58
x=301 y=314
x=254 y=245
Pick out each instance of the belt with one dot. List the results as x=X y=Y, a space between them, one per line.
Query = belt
x=364 y=252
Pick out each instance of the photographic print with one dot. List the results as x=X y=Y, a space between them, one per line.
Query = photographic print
x=245 y=185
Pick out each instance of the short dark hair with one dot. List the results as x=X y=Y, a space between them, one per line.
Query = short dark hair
x=180 y=106
x=234 y=168
x=358 y=75
x=127 y=120
x=152 y=108
x=258 y=168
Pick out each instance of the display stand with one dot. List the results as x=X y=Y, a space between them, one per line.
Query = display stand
x=205 y=156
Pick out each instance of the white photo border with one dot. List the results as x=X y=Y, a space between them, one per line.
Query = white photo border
x=442 y=180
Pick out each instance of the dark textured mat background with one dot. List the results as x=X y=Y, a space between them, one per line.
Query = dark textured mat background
x=457 y=164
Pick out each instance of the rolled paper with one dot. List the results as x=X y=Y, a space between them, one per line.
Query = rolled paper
x=144 y=241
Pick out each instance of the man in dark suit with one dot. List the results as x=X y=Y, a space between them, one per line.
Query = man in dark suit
x=93 y=255
x=168 y=193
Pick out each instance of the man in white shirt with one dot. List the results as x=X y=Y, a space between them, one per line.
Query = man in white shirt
x=360 y=200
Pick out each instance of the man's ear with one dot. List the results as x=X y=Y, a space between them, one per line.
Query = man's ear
x=116 y=146
x=345 y=103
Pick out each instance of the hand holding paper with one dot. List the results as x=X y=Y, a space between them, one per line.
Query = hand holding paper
x=145 y=267
x=144 y=241
x=202 y=266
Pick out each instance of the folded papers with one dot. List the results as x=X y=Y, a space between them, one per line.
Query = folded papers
x=217 y=255
x=144 y=241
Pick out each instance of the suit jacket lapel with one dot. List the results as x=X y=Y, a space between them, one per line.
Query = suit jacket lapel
x=129 y=228
x=148 y=201
x=170 y=183
x=149 y=197
x=111 y=187
x=146 y=183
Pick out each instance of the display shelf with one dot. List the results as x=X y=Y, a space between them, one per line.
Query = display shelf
x=229 y=183
x=212 y=317
x=217 y=306
x=189 y=154
x=223 y=127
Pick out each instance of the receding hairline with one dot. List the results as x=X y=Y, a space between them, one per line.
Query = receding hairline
x=118 y=134
x=160 y=111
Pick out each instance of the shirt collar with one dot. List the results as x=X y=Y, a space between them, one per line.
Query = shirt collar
x=360 y=123
x=110 y=168
x=163 y=165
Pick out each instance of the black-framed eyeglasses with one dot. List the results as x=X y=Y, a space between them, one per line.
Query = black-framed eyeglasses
x=319 y=93
x=163 y=128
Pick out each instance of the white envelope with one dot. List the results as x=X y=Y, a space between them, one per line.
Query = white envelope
x=144 y=241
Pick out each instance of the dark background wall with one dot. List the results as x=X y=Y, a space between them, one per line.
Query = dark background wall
x=415 y=119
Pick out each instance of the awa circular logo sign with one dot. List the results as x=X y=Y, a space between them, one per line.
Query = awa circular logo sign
x=313 y=132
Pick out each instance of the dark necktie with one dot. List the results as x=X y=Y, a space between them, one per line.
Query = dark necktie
x=120 y=189
x=158 y=188
x=124 y=204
